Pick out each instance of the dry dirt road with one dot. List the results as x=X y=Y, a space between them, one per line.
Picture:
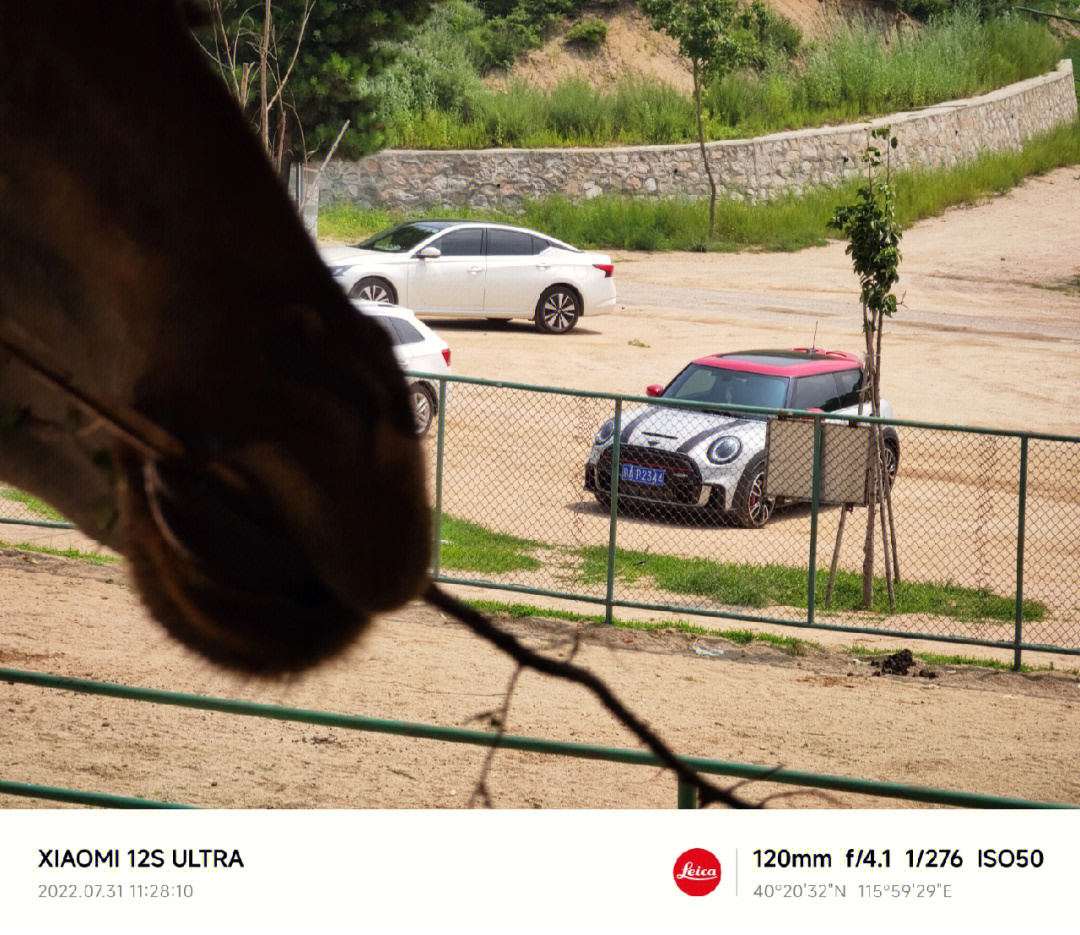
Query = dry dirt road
x=987 y=336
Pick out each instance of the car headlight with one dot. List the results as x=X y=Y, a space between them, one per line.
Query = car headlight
x=339 y=270
x=605 y=433
x=726 y=448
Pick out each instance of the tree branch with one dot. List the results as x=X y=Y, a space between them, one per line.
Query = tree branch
x=530 y=659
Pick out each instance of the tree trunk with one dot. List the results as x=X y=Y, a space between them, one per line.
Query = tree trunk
x=871 y=469
x=704 y=152
x=264 y=57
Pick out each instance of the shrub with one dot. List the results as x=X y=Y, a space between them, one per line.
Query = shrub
x=590 y=33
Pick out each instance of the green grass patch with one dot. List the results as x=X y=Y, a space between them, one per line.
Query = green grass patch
x=759 y=586
x=32 y=503
x=789 y=222
x=523 y=611
x=94 y=558
x=469 y=547
x=740 y=637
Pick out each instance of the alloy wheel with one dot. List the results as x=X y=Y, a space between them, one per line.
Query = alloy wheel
x=759 y=507
x=422 y=410
x=559 y=311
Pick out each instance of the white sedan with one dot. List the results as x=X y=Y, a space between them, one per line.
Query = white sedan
x=417 y=348
x=471 y=269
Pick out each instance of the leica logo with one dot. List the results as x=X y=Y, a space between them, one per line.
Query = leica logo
x=697 y=872
x=692 y=872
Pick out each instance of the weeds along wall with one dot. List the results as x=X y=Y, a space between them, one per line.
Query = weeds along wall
x=943 y=135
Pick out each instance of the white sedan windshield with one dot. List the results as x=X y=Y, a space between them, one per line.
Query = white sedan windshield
x=399 y=239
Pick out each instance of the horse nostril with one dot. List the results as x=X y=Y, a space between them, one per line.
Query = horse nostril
x=233 y=536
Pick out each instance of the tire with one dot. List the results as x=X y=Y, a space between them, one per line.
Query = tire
x=892 y=457
x=373 y=289
x=423 y=408
x=751 y=510
x=558 y=310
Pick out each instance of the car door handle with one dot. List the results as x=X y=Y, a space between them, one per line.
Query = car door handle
x=475 y=269
x=543 y=265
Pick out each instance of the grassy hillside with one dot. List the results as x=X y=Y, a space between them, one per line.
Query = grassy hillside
x=435 y=97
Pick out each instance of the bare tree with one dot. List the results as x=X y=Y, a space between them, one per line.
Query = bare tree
x=244 y=45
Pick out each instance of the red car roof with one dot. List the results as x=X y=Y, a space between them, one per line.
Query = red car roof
x=797 y=362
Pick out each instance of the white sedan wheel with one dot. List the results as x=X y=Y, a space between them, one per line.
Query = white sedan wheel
x=558 y=310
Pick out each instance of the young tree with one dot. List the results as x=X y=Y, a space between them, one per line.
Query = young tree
x=295 y=67
x=703 y=30
x=873 y=235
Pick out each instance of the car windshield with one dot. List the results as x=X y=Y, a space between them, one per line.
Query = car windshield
x=698 y=383
x=399 y=239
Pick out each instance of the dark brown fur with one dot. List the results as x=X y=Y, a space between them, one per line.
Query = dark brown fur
x=256 y=462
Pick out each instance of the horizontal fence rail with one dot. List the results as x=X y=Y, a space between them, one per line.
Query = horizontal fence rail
x=983 y=529
x=685 y=794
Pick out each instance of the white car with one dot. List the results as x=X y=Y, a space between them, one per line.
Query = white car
x=715 y=463
x=472 y=269
x=416 y=348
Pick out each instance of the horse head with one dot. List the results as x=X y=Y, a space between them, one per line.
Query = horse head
x=179 y=374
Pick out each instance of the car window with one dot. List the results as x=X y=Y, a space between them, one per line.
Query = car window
x=466 y=242
x=509 y=243
x=540 y=244
x=406 y=332
x=850 y=385
x=736 y=387
x=387 y=325
x=398 y=239
x=816 y=392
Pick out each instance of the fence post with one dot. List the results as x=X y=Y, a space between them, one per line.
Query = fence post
x=815 y=497
x=1020 y=523
x=687 y=795
x=616 y=445
x=436 y=546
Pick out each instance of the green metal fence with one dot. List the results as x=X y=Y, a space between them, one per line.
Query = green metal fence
x=985 y=524
x=987 y=527
x=686 y=795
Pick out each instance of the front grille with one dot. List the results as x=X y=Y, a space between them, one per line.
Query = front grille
x=682 y=480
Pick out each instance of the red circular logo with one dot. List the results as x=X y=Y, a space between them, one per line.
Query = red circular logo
x=697 y=872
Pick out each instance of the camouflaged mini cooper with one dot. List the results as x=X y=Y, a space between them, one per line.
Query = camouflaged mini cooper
x=714 y=463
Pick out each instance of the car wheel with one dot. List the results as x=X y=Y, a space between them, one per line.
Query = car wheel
x=423 y=408
x=558 y=310
x=604 y=500
x=373 y=289
x=891 y=459
x=752 y=509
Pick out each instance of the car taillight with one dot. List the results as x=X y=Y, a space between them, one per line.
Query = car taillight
x=608 y=269
x=446 y=355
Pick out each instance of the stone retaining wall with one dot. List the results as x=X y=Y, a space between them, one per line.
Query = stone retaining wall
x=942 y=135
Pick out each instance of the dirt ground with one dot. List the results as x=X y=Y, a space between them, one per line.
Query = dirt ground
x=819 y=711
x=987 y=336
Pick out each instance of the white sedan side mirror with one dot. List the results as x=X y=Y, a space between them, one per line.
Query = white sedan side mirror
x=429 y=253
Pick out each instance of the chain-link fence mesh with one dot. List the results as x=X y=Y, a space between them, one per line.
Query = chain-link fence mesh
x=526 y=501
x=526 y=486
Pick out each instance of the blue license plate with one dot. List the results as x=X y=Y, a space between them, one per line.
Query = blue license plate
x=637 y=474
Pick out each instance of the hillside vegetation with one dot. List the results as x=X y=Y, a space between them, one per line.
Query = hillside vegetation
x=436 y=97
